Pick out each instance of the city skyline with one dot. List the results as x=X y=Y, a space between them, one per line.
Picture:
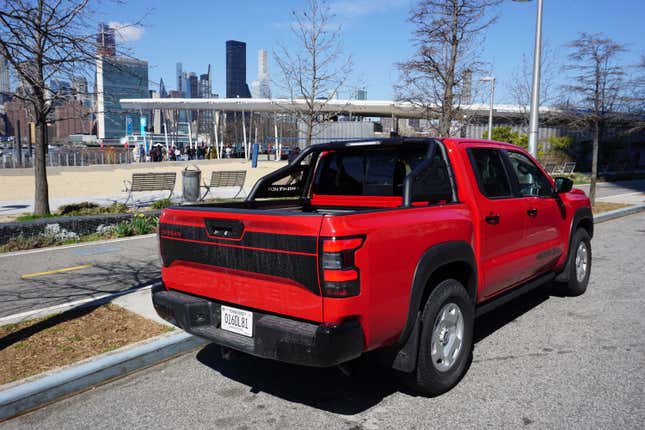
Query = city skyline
x=200 y=40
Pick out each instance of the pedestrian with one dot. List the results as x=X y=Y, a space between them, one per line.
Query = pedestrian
x=293 y=154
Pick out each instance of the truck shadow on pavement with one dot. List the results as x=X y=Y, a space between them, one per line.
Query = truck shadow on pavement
x=331 y=390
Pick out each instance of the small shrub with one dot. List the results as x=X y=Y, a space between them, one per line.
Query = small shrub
x=21 y=242
x=142 y=224
x=77 y=208
x=124 y=228
x=87 y=208
x=161 y=204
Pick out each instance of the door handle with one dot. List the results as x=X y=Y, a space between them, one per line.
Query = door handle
x=492 y=219
x=532 y=212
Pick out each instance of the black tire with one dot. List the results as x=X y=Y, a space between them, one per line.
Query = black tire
x=429 y=379
x=576 y=286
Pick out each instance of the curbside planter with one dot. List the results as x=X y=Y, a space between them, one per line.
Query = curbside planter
x=19 y=398
x=81 y=224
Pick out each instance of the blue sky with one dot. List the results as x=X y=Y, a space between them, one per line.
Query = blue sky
x=375 y=32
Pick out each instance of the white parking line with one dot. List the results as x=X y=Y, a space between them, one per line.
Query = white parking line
x=76 y=245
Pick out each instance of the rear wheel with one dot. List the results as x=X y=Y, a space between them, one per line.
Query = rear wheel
x=446 y=341
x=579 y=265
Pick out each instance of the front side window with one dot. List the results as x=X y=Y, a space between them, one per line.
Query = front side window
x=532 y=182
x=491 y=175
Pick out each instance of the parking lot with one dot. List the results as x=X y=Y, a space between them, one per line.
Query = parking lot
x=542 y=361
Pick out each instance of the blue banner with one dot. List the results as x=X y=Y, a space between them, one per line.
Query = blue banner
x=142 y=121
x=128 y=125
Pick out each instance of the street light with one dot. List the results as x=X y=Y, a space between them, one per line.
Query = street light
x=535 y=87
x=492 y=97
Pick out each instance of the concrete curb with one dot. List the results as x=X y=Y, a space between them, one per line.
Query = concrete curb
x=618 y=213
x=23 y=397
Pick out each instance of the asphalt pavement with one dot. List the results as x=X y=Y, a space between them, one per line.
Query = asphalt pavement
x=541 y=361
x=42 y=278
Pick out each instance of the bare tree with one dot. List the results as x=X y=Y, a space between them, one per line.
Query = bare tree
x=446 y=35
x=315 y=68
x=596 y=81
x=636 y=97
x=519 y=86
x=44 y=40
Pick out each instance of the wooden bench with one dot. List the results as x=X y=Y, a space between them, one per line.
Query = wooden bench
x=221 y=179
x=164 y=181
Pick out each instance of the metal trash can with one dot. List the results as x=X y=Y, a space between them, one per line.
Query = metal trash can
x=190 y=181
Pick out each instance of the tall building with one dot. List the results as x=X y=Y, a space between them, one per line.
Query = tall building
x=261 y=87
x=204 y=87
x=105 y=42
x=5 y=81
x=179 y=75
x=117 y=78
x=162 y=89
x=236 y=70
x=193 y=84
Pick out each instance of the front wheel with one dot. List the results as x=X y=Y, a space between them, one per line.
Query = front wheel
x=579 y=265
x=446 y=343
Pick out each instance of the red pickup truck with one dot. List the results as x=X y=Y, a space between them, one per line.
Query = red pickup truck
x=395 y=244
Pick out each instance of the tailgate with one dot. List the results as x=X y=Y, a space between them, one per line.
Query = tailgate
x=252 y=259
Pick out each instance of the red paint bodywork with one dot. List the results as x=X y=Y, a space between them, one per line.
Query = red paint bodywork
x=395 y=240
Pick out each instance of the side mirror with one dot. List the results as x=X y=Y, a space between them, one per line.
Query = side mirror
x=563 y=185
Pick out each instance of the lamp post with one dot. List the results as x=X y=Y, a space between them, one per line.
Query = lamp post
x=535 y=87
x=492 y=97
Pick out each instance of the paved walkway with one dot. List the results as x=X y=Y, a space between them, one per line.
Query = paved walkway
x=19 y=207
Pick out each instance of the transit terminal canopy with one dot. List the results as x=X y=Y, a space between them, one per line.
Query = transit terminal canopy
x=375 y=108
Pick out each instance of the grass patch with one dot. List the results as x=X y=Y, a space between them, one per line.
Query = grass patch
x=31 y=217
x=87 y=208
x=601 y=207
x=161 y=204
x=39 y=345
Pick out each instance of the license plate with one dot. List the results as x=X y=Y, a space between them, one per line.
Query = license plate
x=237 y=321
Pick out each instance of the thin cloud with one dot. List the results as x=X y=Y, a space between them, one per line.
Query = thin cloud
x=126 y=32
x=365 y=7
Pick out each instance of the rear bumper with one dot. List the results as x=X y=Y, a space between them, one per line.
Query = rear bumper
x=274 y=337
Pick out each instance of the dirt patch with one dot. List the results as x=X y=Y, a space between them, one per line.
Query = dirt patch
x=601 y=207
x=35 y=346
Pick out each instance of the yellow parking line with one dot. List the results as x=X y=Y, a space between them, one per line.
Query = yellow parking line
x=50 y=272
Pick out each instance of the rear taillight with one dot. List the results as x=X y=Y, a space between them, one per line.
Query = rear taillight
x=340 y=276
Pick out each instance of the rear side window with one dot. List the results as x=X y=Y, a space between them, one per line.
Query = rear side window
x=489 y=169
x=366 y=173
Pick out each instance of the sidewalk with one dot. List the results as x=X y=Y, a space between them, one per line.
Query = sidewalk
x=100 y=182
x=19 y=207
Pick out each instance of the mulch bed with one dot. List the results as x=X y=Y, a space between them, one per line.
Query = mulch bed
x=39 y=345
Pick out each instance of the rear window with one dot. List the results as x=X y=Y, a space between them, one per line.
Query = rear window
x=378 y=172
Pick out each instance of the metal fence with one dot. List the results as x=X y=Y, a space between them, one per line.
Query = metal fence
x=71 y=157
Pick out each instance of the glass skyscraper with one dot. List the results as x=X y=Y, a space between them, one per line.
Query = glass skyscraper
x=117 y=78
x=236 y=70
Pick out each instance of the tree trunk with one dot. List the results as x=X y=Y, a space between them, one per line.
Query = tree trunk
x=594 y=162
x=41 y=200
x=310 y=132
